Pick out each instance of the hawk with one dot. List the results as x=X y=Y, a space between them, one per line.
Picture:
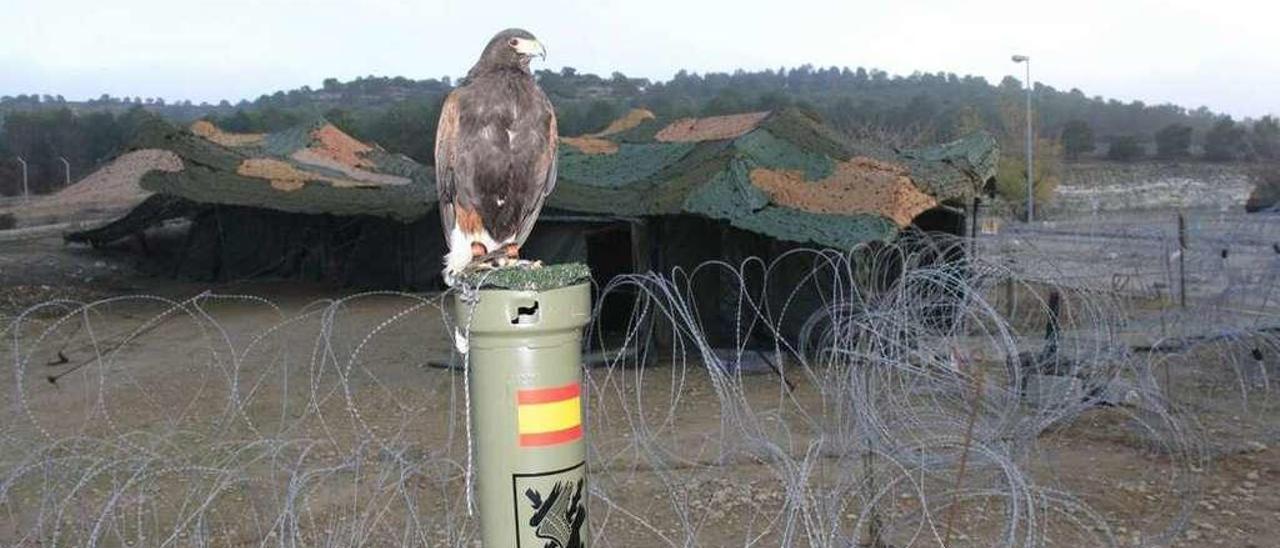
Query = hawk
x=495 y=155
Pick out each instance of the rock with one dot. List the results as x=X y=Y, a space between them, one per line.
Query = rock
x=1265 y=194
x=1119 y=392
x=749 y=362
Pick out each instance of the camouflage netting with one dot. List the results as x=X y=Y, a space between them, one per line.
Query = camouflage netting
x=862 y=185
x=313 y=168
x=803 y=227
x=596 y=143
x=782 y=175
x=628 y=164
x=951 y=170
x=715 y=128
x=589 y=145
x=630 y=120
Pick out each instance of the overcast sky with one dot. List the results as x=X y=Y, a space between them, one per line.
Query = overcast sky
x=1224 y=54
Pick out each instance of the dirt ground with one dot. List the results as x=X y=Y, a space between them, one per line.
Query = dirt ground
x=216 y=382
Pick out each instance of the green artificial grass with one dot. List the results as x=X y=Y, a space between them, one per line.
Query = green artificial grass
x=525 y=278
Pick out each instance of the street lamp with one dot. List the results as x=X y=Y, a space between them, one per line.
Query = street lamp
x=1031 y=192
x=66 y=166
x=26 y=196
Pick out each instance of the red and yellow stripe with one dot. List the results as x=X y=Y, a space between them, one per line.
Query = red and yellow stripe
x=549 y=416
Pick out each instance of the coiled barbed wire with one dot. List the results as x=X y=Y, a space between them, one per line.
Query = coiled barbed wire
x=890 y=395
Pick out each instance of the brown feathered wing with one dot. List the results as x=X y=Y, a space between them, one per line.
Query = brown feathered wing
x=465 y=164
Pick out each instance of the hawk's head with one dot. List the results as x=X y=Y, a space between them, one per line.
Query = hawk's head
x=511 y=48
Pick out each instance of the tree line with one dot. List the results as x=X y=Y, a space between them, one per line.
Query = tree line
x=1225 y=141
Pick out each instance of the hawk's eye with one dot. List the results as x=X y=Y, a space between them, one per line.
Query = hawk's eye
x=514 y=42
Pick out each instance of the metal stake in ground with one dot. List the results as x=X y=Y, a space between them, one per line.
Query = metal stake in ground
x=524 y=343
x=1182 y=260
x=26 y=192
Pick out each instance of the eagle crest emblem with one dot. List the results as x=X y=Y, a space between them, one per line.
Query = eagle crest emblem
x=558 y=514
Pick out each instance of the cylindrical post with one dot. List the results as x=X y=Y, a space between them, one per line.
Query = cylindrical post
x=1182 y=260
x=66 y=171
x=973 y=228
x=1008 y=296
x=526 y=409
x=26 y=193
x=1031 y=164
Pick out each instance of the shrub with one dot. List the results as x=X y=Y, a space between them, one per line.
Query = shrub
x=1266 y=187
x=1011 y=176
x=1173 y=142
x=1077 y=139
x=1225 y=142
x=1125 y=149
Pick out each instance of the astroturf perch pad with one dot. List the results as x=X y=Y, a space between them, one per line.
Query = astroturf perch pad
x=524 y=359
x=525 y=278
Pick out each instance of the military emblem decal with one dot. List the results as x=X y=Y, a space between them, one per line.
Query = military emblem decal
x=551 y=508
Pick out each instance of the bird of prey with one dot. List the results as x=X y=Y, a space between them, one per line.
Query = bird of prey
x=495 y=155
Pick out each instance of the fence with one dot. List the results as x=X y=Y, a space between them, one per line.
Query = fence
x=1223 y=265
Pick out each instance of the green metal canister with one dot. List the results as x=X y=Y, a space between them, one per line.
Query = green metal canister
x=525 y=352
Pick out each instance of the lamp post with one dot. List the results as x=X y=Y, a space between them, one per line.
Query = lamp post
x=26 y=195
x=1030 y=159
x=66 y=169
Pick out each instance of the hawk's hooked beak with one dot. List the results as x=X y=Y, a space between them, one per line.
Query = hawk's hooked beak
x=530 y=48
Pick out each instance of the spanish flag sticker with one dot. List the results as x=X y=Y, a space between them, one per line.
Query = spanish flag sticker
x=549 y=416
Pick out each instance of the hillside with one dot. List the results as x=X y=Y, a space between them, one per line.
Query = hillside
x=932 y=101
x=1100 y=187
